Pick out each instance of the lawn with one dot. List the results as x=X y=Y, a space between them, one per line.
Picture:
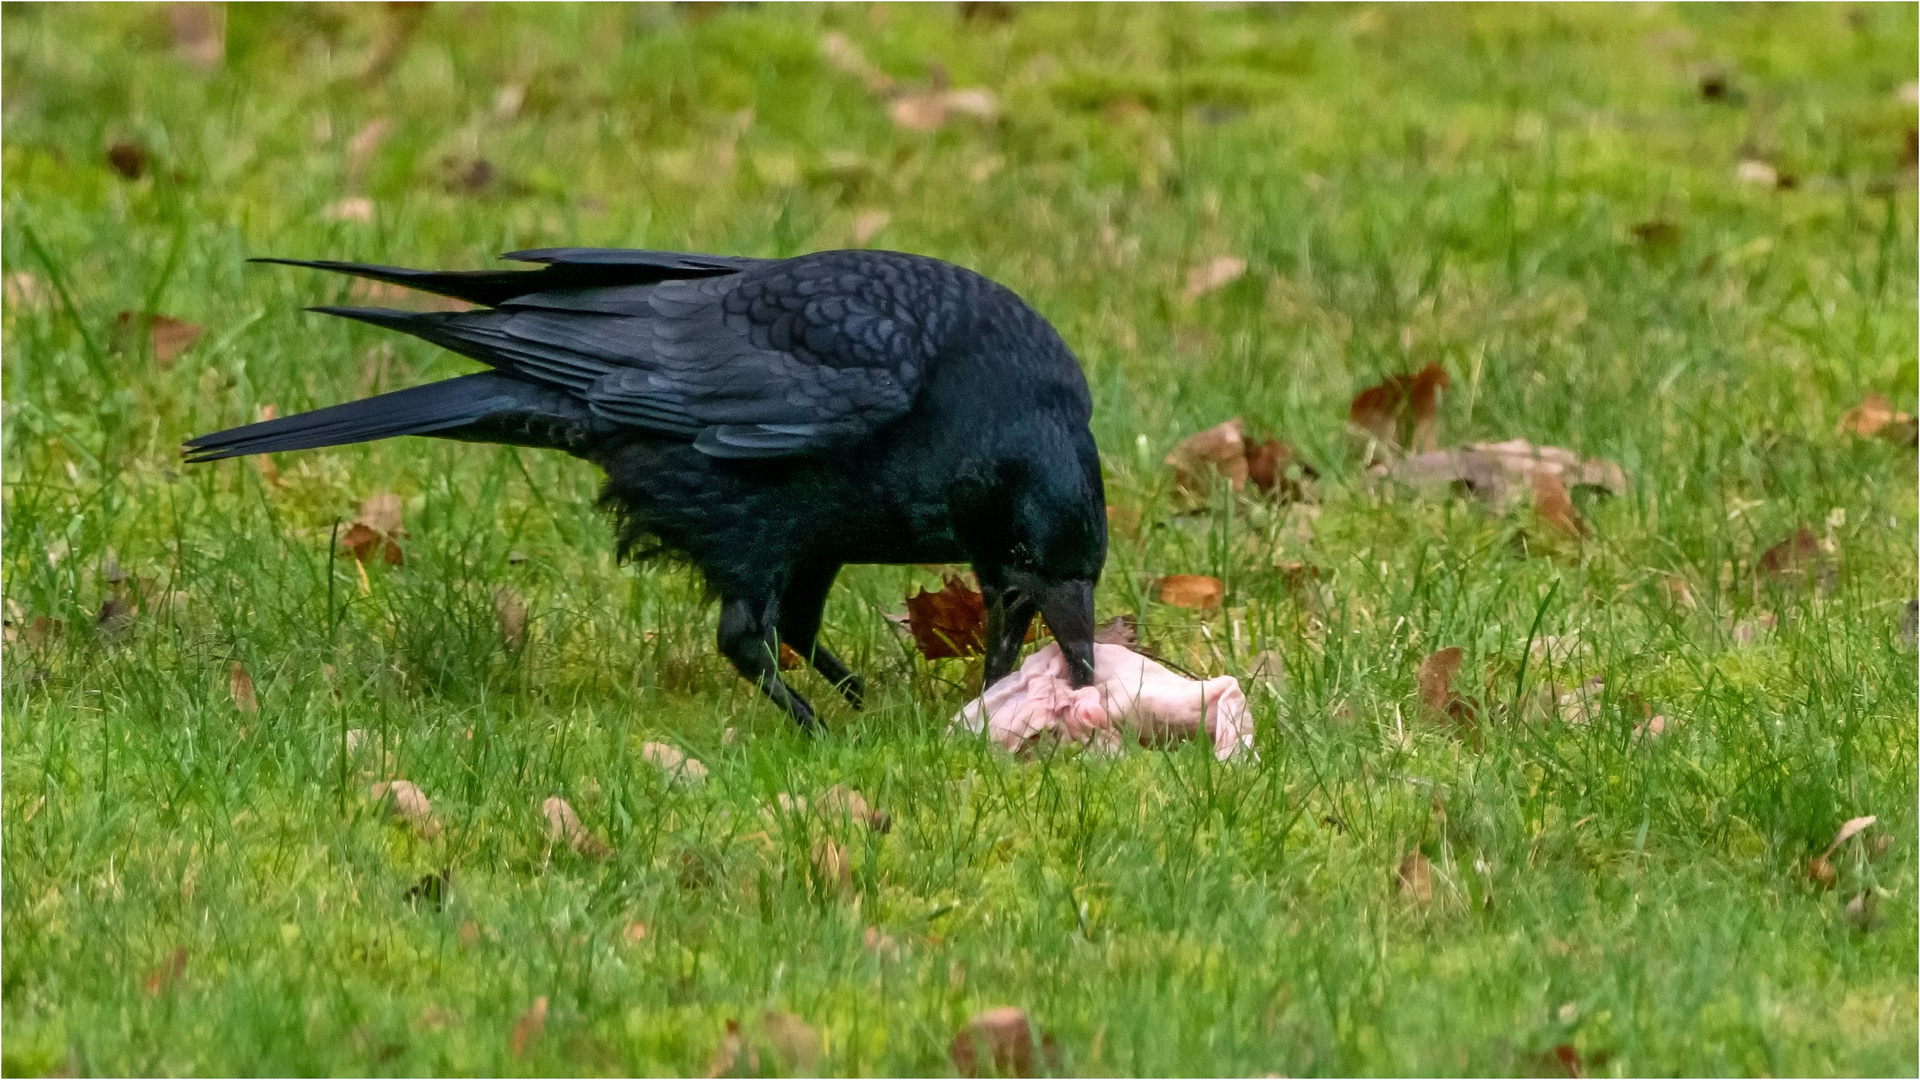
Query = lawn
x=1679 y=239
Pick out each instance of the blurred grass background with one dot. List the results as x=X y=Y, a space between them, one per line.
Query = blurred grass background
x=1681 y=238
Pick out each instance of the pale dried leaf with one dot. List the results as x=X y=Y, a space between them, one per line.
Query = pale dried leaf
x=1854 y=827
x=361 y=147
x=1216 y=273
x=1219 y=451
x=563 y=825
x=355 y=208
x=919 y=112
x=832 y=869
x=793 y=1041
x=676 y=764
x=199 y=33
x=973 y=101
x=406 y=801
x=867 y=224
x=844 y=55
x=511 y=613
x=1195 y=591
x=382 y=513
x=1758 y=173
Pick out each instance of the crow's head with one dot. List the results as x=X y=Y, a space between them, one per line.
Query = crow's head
x=1040 y=530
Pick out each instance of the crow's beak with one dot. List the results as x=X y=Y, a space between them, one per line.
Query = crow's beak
x=1068 y=608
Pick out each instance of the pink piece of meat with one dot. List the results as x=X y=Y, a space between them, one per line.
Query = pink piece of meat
x=1129 y=691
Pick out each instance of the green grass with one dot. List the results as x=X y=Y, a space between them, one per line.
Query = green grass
x=1407 y=184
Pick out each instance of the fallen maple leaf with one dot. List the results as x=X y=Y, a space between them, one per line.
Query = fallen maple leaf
x=529 y=1026
x=1554 y=508
x=1213 y=275
x=1398 y=412
x=240 y=688
x=949 y=623
x=1876 y=416
x=1196 y=591
x=564 y=825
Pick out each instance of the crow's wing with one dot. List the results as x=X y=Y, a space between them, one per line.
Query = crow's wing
x=783 y=359
x=567 y=269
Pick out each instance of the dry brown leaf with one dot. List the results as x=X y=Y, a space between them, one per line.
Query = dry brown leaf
x=677 y=765
x=377 y=530
x=1436 y=680
x=165 y=974
x=1123 y=630
x=356 y=208
x=528 y=1028
x=1499 y=472
x=1399 y=412
x=1124 y=520
x=1554 y=508
x=1876 y=416
x=1414 y=879
x=405 y=799
x=1267 y=463
x=240 y=689
x=199 y=33
x=169 y=337
x=1195 y=591
x=790 y=660
x=949 y=623
x=1219 y=451
x=635 y=933
x=511 y=613
x=128 y=158
x=841 y=801
x=867 y=224
x=564 y=825
x=832 y=869
x=997 y=1042
x=1821 y=872
x=1800 y=558
x=1215 y=274
x=1860 y=910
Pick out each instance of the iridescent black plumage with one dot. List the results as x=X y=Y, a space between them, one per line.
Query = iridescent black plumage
x=771 y=421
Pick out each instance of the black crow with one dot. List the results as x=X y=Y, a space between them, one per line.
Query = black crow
x=769 y=421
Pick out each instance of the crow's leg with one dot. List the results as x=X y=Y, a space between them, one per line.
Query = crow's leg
x=749 y=637
x=1009 y=613
x=800 y=610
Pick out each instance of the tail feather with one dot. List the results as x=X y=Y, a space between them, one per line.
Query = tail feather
x=567 y=268
x=421 y=410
